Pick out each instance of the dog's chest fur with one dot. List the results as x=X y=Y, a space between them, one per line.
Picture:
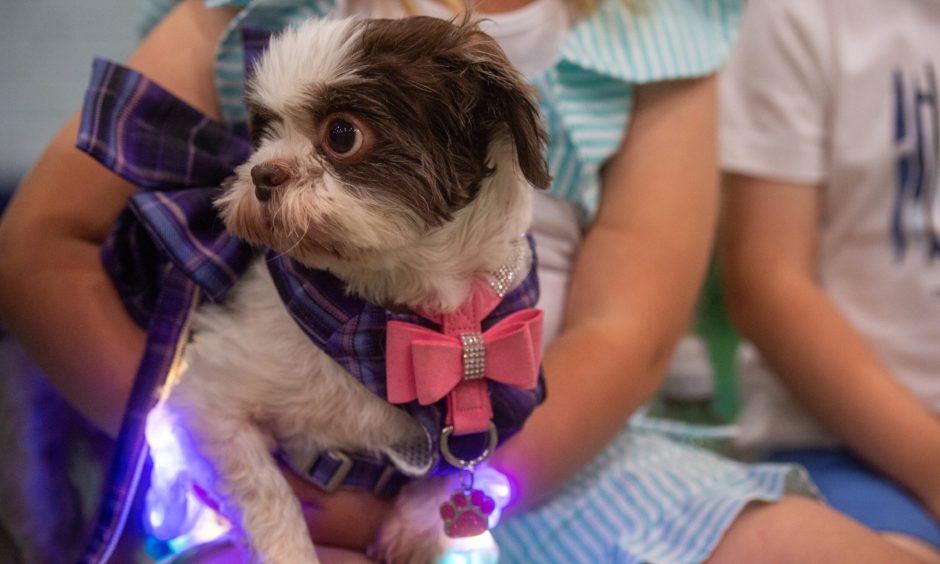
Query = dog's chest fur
x=249 y=360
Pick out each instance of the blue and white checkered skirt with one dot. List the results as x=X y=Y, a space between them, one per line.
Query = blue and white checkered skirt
x=646 y=498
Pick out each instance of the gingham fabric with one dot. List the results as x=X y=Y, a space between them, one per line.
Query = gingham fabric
x=587 y=96
x=644 y=499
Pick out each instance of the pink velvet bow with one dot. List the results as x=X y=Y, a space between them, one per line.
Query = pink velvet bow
x=427 y=365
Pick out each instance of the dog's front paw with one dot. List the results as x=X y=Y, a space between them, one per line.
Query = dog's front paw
x=466 y=514
x=413 y=532
x=399 y=543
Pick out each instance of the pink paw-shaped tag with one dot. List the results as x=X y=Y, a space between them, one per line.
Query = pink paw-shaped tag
x=466 y=513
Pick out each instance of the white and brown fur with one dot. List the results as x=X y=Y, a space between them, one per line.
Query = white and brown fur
x=435 y=197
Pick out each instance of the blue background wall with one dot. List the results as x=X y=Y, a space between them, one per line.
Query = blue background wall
x=46 y=48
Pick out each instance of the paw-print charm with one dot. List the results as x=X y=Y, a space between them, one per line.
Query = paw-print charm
x=466 y=513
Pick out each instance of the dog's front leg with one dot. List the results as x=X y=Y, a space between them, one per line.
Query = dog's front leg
x=413 y=532
x=255 y=494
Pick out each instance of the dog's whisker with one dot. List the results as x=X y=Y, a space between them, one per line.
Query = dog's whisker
x=297 y=243
x=303 y=235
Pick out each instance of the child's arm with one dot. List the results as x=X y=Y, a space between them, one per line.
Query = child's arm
x=769 y=250
x=54 y=294
x=634 y=286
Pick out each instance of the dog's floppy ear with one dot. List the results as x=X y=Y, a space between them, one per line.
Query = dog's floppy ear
x=507 y=103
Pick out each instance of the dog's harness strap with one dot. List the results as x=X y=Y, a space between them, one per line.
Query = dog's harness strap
x=333 y=470
x=354 y=333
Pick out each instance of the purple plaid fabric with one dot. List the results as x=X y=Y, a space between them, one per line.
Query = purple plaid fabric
x=169 y=242
x=131 y=462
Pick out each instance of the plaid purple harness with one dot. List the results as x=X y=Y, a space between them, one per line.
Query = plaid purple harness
x=169 y=251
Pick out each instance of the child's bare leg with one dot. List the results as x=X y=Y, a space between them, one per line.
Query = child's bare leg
x=225 y=551
x=801 y=530
x=915 y=546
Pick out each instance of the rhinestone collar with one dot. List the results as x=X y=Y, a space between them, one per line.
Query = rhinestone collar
x=502 y=279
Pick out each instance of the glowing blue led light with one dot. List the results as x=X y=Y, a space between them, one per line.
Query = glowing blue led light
x=480 y=549
x=180 y=518
x=495 y=485
x=209 y=527
x=175 y=514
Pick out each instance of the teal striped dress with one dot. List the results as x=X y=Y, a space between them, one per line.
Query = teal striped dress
x=646 y=498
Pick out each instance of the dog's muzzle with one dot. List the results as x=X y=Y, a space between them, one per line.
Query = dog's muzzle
x=267 y=177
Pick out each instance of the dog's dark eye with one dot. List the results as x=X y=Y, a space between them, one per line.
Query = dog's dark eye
x=343 y=137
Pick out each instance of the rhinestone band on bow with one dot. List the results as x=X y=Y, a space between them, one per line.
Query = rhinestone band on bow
x=474 y=356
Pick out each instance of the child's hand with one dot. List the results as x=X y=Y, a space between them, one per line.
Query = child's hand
x=344 y=518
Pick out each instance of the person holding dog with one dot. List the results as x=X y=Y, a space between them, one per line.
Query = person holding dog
x=628 y=93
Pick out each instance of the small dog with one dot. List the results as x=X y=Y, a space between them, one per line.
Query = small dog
x=400 y=156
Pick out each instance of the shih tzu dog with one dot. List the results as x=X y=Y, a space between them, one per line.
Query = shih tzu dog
x=399 y=156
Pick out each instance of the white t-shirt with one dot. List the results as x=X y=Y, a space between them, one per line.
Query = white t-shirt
x=844 y=94
x=531 y=36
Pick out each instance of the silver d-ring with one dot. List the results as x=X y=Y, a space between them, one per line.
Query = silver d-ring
x=459 y=462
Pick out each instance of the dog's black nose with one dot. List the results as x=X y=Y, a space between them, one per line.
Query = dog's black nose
x=266 y=177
